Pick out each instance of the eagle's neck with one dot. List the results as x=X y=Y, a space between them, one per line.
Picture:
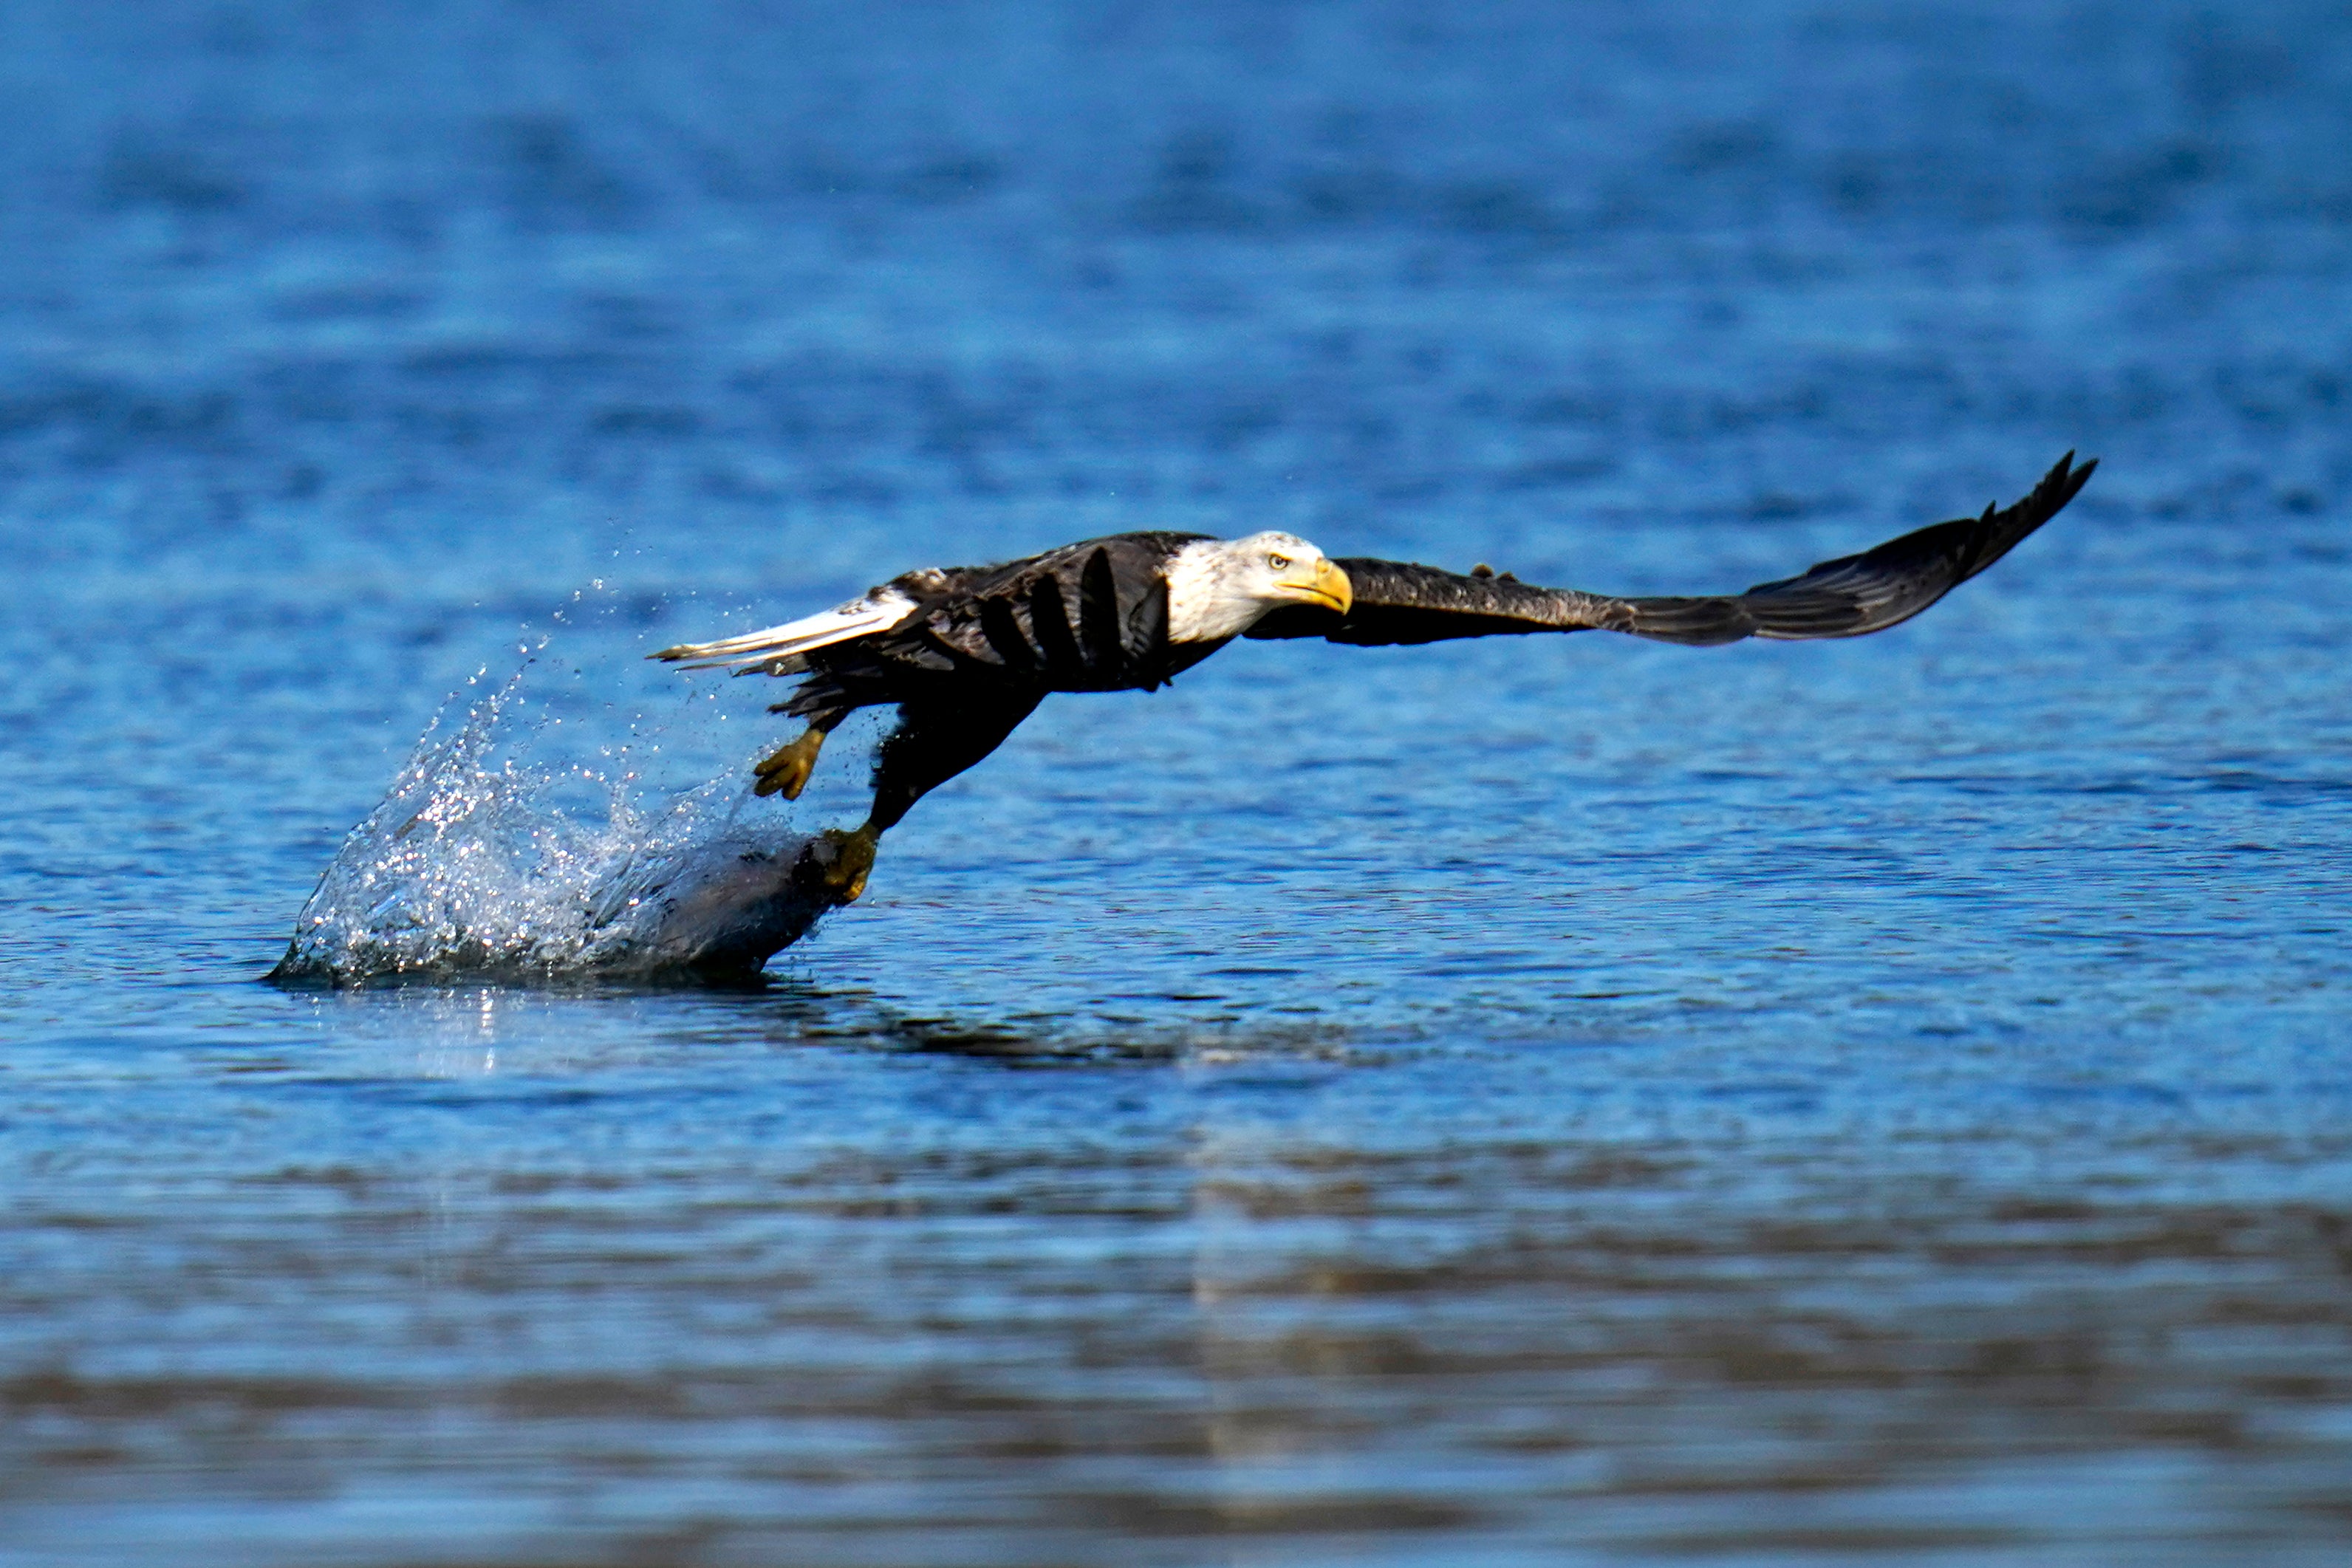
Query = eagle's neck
x=1206 y=601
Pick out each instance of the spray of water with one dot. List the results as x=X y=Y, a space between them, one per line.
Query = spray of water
x=490 y=859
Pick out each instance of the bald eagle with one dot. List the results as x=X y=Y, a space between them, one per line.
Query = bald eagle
x=967 y=652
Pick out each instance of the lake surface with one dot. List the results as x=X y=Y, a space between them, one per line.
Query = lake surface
x=1540 y=1100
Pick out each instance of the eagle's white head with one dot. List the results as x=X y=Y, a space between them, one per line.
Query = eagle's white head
x=1219 y=588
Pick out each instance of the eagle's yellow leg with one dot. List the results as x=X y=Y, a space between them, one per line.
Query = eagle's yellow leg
x=786 y=771
x=844 y=861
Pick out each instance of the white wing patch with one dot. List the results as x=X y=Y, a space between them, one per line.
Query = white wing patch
x=776 y=649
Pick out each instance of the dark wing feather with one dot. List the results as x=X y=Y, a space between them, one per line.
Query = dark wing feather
x=1098 y=618
x=1849 y=597
x=1085 y=616
x=1049 y=619
x=1000 y=626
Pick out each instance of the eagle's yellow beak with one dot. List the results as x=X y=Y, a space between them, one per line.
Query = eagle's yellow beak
x=1322 y=583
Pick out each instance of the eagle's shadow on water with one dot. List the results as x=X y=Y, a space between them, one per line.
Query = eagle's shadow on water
x=1009 y=1046
x=785 y=1010
x=1079 y=1039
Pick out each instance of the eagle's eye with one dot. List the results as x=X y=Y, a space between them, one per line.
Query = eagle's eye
x=1279 y=562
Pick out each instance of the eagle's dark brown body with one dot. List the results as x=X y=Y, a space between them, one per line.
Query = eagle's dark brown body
x=1087 y=617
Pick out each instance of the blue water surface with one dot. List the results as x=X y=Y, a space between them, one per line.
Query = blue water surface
x=1545 y=1100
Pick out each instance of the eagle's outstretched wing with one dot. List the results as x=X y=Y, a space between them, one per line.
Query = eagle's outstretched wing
x=1396 y=602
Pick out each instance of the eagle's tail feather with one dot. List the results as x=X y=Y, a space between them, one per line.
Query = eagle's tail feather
x=777 y=649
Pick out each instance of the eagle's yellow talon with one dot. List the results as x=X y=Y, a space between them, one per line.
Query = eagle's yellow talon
x=845 y=860
x=786 y=770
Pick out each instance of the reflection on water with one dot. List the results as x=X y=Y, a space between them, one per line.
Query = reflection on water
x=837 y=1285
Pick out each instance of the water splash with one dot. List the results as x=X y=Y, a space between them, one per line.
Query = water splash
x=482 y=862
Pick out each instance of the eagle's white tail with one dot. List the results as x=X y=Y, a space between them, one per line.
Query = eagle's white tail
x=773 y=648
